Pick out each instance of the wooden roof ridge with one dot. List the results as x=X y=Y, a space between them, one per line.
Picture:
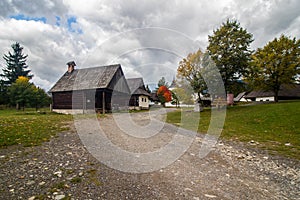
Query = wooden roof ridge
x=86 y=78
x=286 y=90
x=137 y=86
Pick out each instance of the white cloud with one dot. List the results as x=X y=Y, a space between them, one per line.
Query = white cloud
x=113 y=31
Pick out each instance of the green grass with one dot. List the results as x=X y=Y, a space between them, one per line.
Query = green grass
x=271 y=125
x=29 y=128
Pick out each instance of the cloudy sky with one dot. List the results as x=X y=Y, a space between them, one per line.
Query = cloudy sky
x=148 y=38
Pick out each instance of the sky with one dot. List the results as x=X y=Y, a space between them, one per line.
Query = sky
x=148 y=38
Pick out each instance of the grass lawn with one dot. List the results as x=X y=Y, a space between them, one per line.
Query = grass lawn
x=275 y=126
x=29 y=128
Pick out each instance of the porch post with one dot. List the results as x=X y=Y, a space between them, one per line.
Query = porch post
x=103 y=102
x=83 y=102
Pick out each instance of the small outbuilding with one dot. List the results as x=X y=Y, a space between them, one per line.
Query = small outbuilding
x=102 y=88
x=139 y=96
x=240 y=97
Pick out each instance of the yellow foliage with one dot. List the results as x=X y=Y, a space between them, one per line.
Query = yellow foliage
x=22 y=79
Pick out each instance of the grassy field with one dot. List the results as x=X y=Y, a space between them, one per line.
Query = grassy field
x=275 y=127
x=29 y=128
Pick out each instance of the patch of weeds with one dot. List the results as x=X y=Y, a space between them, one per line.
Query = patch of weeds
x=76 y=180
x=41 y=197
x=57 y=186
x=93 y=178
x=92 y=171
x=70 y=171
x=90 y=163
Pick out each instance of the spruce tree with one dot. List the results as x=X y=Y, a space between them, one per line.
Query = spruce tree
x=15 y=65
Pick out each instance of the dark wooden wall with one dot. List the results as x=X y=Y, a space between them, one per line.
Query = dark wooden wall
x=83 y=99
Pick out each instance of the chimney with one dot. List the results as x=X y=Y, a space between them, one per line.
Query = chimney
x=71 y=66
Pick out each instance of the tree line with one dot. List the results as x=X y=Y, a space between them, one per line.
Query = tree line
x=15 y=86
x=241 y=68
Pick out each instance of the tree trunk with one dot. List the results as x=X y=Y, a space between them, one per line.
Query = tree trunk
x=200 y=102
x=276 y=96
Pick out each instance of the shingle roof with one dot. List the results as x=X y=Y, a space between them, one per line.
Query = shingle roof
x=153 y=96
x=136 y=86
x=291 y=90
x=87 y=78
x=239 y=96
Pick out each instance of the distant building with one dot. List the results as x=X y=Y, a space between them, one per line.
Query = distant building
x=241 y=97
x=154 y=98
x=139 y=96
x=286 y=92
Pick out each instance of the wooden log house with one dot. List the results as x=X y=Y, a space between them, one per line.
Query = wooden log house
x=90 y=89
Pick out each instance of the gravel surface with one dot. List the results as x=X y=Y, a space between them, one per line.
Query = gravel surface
x=64 y=169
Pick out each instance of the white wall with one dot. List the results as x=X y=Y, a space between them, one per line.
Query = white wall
x=264 y=99
x=144 y=102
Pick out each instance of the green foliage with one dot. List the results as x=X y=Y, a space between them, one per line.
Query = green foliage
x=183 y=94
x=191 y=69
x=75 y=180
x=23 y=93
x=4 y=99
x=162 y=82
x=175 y=100
x=148 y=89
x=15 y=65
x=238 y=87
x=229 y=47
x=29 y=128
x=276 y=64
x=40 y=98
x=272 y=125
x=199 y=70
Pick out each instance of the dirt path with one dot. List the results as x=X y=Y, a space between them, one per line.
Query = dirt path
x=63 y=168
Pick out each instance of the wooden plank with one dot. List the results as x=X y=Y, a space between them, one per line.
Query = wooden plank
x=103 y=102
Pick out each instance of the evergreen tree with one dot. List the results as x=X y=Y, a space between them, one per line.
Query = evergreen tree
x=229 y=47
x=15 y=65
x=162 y=82
x=148 y=89
x=3 y=93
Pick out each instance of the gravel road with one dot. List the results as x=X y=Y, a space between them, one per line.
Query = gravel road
x=64 y=168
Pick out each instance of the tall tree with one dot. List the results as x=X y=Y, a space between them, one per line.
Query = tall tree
x=183 y=95
x=229 y=47
x=15 y=65
x=164 y=94
x=21 y=92
x=191 y=69
x=3 y=93
x=275 y=64
x=39 y=98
